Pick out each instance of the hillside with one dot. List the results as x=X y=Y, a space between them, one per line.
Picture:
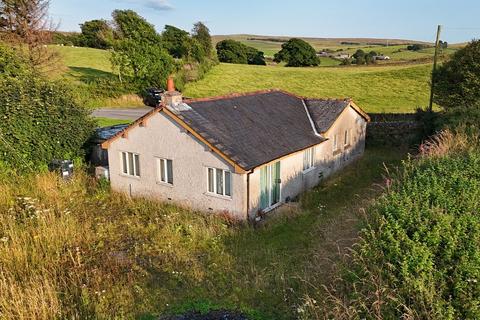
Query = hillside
x=376 y=89
x=369 y=86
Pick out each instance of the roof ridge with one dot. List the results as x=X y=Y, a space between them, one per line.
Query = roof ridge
x=240 y=94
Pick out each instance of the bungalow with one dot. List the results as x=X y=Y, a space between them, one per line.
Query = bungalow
x=244 y=154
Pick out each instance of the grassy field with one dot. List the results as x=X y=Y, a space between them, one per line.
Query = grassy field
x=77 y=250
x=392 y=88
x=376 y=89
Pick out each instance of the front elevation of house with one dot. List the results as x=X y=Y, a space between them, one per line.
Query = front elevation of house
x=240 y=154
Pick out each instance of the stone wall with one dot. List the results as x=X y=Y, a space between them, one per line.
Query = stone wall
x=394 y=129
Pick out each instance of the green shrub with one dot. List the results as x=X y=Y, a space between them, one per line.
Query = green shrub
x=40 y=119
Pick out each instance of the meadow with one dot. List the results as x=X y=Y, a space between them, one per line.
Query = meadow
x=74 y=249
x=381 y=88
x=376 y=89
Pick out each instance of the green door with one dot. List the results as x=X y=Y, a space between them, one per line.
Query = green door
x=270 y=185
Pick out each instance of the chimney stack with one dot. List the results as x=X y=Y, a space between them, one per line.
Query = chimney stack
x=170 y=84
x=171 y=97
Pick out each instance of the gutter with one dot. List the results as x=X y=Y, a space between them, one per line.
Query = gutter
x=311 y=120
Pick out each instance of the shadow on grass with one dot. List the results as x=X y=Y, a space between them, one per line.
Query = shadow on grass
x=89 y=75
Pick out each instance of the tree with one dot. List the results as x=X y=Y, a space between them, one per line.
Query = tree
x=129 y=25
x=255 y=57
x=457 y=82
x=201 y=33
x=139 y=55
x=297 y=53
x=41 y=120
x=359 y=57
x=176 y=41
x=26 y=23
x=96 y=34
x=231 y=51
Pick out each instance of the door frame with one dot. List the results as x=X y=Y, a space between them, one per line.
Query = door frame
x=270 y=169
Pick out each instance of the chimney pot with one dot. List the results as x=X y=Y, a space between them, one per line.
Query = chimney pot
x=170 y=84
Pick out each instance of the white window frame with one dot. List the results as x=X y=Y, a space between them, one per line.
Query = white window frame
x=335 y=142
x=165 y=171
x=125 y=165
x=347 y=138
x=223 y=192
x=309 y=159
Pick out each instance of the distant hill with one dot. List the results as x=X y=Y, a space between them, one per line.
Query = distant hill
x=272 y=44
x=328 y=42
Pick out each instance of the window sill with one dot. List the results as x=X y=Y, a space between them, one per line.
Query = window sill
x=306 y=171
x=165 y=184
x=337 y=152
x=347 y=146
x=218 y=196
x=129 y=176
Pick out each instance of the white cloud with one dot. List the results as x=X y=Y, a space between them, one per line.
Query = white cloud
x=159 y=5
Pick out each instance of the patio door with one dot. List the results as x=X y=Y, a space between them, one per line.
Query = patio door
x=270 y=188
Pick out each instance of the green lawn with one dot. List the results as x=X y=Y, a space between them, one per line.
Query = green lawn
x=376 y=89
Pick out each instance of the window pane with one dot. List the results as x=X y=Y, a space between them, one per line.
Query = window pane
x=219 y=181
x=210 y=180
x=124 y=161
x=170 y=171
x=162 y=170
x=312 y=157
x=137 y=165
x=130 y=164
x=228 y=183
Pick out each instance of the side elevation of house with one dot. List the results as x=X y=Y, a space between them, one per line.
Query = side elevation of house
x=241 y=154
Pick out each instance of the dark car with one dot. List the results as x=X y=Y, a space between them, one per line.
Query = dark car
x=153 y=97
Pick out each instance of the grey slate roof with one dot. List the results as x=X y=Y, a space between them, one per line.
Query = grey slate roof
x=251 y=129
x=325 y=112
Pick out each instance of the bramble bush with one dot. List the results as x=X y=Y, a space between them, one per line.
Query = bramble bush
x=419 y=256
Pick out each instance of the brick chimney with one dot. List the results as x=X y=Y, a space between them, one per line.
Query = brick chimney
x=171 y=97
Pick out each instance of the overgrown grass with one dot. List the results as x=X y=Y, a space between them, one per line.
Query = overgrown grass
x=376 y=89
x=73 y=249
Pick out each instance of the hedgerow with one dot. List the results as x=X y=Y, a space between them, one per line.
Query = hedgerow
x=40 y=119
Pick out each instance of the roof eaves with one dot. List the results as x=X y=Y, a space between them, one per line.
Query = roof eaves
x=134 y=124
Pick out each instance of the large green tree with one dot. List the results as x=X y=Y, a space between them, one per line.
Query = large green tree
x=139 y=54
x=231 y=51
x=201 y=33
x=176 y=41
x=457 y=82
x=96 y=34
x=297 y=53
x=130 y=25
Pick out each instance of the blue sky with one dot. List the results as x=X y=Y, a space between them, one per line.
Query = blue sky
x=404 y=19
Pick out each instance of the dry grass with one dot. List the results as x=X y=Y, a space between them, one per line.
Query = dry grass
x=126 y=100
x=75 y=250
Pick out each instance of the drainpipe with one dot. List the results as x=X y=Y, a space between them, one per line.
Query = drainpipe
x=311 y=120
x=248 y=192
